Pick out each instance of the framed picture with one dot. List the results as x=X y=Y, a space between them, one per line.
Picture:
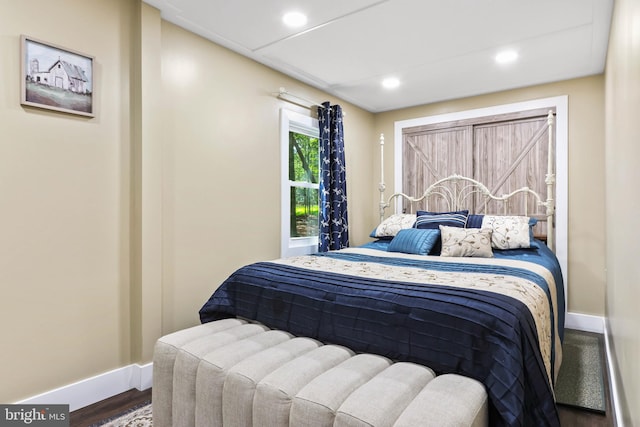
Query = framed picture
x=56 y=78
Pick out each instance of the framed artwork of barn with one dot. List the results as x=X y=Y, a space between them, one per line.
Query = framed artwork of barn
x=56 y=78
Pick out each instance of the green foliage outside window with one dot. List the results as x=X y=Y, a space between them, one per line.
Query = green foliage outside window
x=304 y=174
x=304 y=165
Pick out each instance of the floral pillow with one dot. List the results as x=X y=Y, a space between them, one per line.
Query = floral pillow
x=508 y=232
x=465 y=242
x=390 y=226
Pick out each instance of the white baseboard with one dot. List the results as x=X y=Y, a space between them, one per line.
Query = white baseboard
x=589 y=323
x=584 y=322
x=94 y=389
x=613 y=381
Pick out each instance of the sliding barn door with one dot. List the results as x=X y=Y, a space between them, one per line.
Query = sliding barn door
x=509 y=156
x=504 y=152
x=433 y=154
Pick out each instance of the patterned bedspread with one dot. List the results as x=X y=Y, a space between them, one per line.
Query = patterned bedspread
x=496 y=320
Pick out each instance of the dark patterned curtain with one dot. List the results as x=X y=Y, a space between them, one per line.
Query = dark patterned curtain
x=334 y=226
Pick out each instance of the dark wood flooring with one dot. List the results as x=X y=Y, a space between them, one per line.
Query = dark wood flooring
x=108 y=408
x=569 y=416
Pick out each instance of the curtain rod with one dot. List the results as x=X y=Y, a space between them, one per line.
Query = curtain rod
x=285 y=95
x=290 y=97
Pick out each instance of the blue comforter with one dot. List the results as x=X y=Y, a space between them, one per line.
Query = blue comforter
x=471 y=331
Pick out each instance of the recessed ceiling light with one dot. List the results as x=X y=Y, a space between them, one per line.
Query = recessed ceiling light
x=390 y=83
x=294 y=19
x=506 y=56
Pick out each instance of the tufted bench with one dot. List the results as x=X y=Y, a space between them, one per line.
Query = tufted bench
x=235 y=373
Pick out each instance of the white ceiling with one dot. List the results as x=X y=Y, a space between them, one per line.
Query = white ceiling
x=439 y=49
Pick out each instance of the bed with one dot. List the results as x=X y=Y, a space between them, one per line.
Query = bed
x=464 y=293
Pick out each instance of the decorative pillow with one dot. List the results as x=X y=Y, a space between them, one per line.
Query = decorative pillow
x=426 y=219
x=532 y=223
x=474 y=221
x=390 y=226
x=414 y=241
x=466 y=242
x=508 y=232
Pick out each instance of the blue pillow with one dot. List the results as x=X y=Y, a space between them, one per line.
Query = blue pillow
x=373 y=235
x=474 y=221
x=434 y=220
x=414 y=241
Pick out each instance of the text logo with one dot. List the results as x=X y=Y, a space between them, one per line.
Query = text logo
x=34 y=415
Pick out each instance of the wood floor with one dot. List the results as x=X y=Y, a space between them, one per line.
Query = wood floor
x=108 y=408
x=569 y=417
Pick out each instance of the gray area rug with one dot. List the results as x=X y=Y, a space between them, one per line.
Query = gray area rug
x=140 y=416
x=580 y=380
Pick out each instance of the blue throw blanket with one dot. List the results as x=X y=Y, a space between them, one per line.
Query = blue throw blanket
x=471 y=331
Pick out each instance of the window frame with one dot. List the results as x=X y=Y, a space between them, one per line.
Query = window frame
x=296 y=122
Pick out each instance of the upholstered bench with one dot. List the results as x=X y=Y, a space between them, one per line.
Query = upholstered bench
x=236 y=373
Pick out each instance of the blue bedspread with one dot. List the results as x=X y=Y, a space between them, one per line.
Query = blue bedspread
x=474 y=332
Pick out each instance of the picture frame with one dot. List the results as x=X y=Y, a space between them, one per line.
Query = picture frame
x=56 y=78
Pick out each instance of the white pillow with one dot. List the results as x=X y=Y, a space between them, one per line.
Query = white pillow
x=396 y=222
x=465 y=242
x=508 y=232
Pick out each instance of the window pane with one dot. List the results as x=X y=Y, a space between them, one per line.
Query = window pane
x=304 y=212
x=303 y=158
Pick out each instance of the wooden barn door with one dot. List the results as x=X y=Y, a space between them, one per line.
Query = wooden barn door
x=512 y=155
x=432 y=154
x=504 y=152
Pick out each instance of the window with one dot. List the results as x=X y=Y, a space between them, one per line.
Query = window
x=300 y=176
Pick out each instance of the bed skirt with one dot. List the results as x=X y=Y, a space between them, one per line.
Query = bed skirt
x=233 y=372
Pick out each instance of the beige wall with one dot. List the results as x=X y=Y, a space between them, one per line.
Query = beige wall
x=64 y=203
x=622 y=177
x=586 y=262
x=221 y=168
x=116 y=229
